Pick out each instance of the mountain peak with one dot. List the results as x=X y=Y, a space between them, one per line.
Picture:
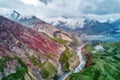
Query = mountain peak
x=31 y=17
x=15 y=15
x=10 y=14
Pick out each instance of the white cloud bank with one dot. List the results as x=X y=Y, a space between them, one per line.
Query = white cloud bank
x=31 y=2
x=62 y=7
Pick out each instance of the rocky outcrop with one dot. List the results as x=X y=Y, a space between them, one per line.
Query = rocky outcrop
x=62 y=35
x=73 y=62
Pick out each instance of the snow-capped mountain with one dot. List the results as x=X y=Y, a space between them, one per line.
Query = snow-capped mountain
x=102 y=28
x=72 y=23
x=79 y=22
x=89 y=24
x=35 y=23
x=83 y=24
x=10 y=14
x=66 y=22
x=95 y=27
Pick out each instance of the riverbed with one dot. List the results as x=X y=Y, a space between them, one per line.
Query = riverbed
x=79 y=67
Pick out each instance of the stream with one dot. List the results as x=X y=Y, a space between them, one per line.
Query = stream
x=79 y=67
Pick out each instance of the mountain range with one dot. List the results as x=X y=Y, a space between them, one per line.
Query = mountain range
x=92 y=26
x=33 y=49
x=36 y=49
x=91 y=29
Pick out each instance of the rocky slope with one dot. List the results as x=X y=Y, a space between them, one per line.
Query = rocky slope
x=41 y=26
x=31 y=55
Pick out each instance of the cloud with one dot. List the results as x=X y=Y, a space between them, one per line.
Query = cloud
x=31 y=2
x=100 y=7
x=46 y=1
x=43 y=8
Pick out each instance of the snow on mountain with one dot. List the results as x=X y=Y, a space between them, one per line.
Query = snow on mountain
x=10 y=14
x=67 y=22
x=72 y=23
x=78 y=22
x=14 y=15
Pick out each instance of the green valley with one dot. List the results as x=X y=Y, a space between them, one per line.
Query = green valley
x=106 y=63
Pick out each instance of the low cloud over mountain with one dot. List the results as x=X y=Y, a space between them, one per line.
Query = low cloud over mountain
x=43 y=8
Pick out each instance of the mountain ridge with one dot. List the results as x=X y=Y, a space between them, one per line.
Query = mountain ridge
x=39 y=53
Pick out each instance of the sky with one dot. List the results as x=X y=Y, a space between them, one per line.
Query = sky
x=72 y=8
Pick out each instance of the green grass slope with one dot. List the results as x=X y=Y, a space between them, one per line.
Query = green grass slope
x=107 y=64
